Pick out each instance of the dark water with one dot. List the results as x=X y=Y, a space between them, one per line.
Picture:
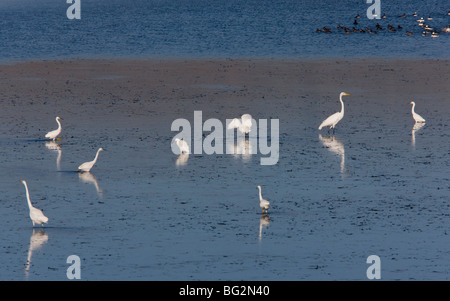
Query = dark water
x=215 y=28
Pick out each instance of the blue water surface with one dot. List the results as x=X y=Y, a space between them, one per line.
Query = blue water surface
x=217 y=28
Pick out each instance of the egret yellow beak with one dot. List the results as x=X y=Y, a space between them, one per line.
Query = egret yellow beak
x=346 y=94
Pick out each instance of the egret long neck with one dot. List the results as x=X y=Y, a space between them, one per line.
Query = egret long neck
x=260 y=196
x=342 y=104
x=96 y=156
x=412 y=109
x=28 y=196
x=59 y=124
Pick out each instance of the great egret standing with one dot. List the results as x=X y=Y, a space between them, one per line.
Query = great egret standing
x=36 y=215
x=244 y=125
x=336 y=117
x=53 y=134
x=88 y=165
x=264 y=204
x=182 y=145
x=416 y=116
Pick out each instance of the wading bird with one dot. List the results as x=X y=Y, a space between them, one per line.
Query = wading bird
x=336 y=117
x=416 y=116
x=182 y=145
x=36 y=215
x=264 y=204
x=53 y=134
x=244 y=125
x=88 y=165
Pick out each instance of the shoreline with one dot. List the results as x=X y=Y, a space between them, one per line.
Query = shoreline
x=168 y=89
x=9 y=62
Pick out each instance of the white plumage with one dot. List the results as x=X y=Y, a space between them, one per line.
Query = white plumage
x=88 y=165
x=244 y=125
x=416 y=116
x=264 y=204
x=53 y=134
x=336 y=117
x=36 y=215
x=182 y=145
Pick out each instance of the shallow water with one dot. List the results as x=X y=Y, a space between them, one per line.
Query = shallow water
x=370 y=189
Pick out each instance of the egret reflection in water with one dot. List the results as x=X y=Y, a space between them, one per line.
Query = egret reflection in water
x=87 y=177
x=417 y=126
x=182 y=159
x=264 y=221
x=243 y=149
x=336 y=147
x=37 y=240
x=53 y=146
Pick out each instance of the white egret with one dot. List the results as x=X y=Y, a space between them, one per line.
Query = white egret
x=264 y=204
x=336 y=117
x=88 y=165
x=244 y=125
x=416 y=116
x=36 y=215
x=53 y=134
x=182 y=145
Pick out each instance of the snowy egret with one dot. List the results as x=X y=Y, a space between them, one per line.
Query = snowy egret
x=36 y=215
x=182 y=145
x=264 y=204
x=88 y=165
x=336 y=117
x=53 y=134
x=244 y=125
x=416 y=116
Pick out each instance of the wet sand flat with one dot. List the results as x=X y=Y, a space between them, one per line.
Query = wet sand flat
x=378 y=186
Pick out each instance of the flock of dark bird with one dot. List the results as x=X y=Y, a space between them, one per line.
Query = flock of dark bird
x=426 y=29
